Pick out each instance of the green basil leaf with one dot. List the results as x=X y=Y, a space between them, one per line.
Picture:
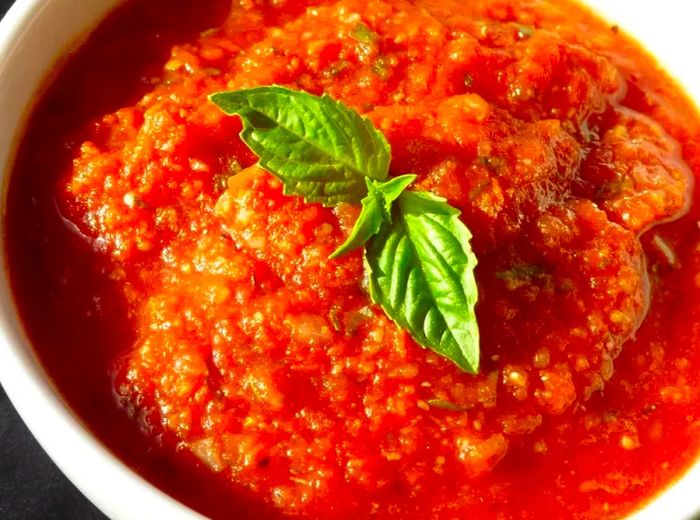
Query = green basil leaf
x=390 y=191
x=319 y=148
x=421 y=271
x=376 y=209
x=367 y=224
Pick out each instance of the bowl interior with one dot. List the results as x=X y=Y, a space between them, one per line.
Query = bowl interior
x=33 y=36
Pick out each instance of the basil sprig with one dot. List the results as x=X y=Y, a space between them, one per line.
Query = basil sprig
x=417 y=252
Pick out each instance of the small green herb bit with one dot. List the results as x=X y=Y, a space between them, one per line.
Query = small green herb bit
x=417 y=251
x=363 y=34
x=443 y=404
x=321 y=149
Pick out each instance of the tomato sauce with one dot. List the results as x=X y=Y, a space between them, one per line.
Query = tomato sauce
x=188 y=311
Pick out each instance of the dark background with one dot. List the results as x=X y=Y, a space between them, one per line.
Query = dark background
x=31 y=486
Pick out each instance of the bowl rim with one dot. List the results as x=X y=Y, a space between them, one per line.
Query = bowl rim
x=114 y=487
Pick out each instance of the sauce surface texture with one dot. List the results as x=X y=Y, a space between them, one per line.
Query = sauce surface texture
x=189 y=313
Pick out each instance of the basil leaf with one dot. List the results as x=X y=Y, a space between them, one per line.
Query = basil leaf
x=376 y=209
x=390 y=191
x=319 y=148
x=421 y=271
x=367 y=224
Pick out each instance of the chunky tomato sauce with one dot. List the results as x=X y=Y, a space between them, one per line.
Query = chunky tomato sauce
x=189 y=313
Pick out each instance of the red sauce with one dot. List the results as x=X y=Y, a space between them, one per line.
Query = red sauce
x=188 y=313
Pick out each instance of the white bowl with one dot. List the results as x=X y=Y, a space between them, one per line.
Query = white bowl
x=32 y=36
